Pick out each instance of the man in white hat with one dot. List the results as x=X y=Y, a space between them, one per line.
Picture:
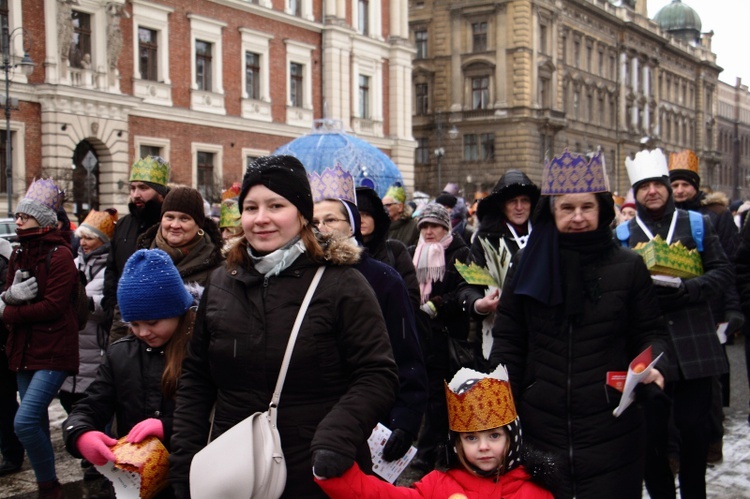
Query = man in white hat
x=698 y=356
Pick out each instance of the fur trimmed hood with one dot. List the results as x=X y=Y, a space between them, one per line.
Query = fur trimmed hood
x=715 y=198
x=337 y=250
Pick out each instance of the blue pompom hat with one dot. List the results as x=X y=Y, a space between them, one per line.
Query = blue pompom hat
x=151 y=288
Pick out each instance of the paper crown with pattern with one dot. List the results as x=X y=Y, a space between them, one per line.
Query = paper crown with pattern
x=230 y=214
x=670 y=259
x=575 y=174
x=683 y=160
x=332 y=183
x=478 y=401
x=44 y=191
x=645 y=165
x=397 y=192
x=102 y=223
x=232 y=192
x=154 y=169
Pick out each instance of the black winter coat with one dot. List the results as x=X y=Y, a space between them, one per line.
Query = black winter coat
x=558 y=372
x=342 y=378
x=128 y=387
x=698 y=353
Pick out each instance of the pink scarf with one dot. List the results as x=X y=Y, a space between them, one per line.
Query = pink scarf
x=429 y=260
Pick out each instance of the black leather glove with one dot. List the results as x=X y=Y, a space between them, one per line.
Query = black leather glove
x=329 y=464
x=671 y=298
x=397 y=445
x=735 y=321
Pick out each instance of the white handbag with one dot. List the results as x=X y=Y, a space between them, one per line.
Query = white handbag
x=246 y=461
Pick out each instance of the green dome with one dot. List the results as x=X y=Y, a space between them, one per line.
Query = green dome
x=679 y=17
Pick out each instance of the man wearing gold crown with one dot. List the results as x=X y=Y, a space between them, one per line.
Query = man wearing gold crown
x=685 y=180
x=575 y=308
x=149 y=177
x=698 y=356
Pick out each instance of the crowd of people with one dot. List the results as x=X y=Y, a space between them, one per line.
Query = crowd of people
x=485 y=334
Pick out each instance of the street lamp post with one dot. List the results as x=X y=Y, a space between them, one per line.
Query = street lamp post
x=27 y=67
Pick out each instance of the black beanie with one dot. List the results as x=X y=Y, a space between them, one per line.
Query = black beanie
x=185 y=200
x=284 y=175
x=447 y=200
x=688 y=176
x=161 y=189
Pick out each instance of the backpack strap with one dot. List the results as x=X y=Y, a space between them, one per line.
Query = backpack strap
x=623 y=234
x=696 y=228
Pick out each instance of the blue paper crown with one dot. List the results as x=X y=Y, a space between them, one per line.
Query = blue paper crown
x=575 y=174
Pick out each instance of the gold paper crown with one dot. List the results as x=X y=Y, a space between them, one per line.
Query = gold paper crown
x=149 y=459
x=684 y=160
x=230 y=214
x=673 y=260
x=575 y=174
x=332 y=183
x=397 y=192
x=153 y=169
x=101 y=222
x=478 y=401
x=232 y=192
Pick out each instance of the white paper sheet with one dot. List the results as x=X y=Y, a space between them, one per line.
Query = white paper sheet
x=388 y=470
x=127 y=484
x=630 y=383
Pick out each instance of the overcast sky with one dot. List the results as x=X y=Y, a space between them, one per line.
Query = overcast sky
x=728 y=20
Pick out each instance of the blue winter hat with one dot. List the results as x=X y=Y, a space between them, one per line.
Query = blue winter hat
x=151 y=288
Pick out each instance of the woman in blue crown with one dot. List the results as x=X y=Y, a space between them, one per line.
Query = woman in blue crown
x=576 y=306
x=36 y=307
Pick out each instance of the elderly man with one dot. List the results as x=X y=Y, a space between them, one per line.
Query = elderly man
x=149 y=177
x=698 y=356
x=403 y=227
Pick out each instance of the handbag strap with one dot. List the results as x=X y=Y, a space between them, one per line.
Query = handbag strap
x=293 y=336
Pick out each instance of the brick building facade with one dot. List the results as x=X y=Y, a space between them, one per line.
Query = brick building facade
x=505 y=84
x=207 y=84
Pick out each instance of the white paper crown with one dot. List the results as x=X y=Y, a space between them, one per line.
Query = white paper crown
x=647 y=164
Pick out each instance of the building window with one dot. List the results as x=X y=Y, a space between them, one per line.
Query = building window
x=252 y=75
x=601 y=109
x=612 y=67
x=589 y=56
x=479 y=37
x=295 y=7
x=148 y=49
x=420 y=38
x=542 y=38
x=544 y=96
x=203 y=62
x=480 y=92
x=577 y=53
x=363 y=12
x=80 y=47
x=146 y=150
x=471 y=147
x=205 y=179
x=422 y=153
x=422 y=99
x=296 y=84
x=364 y=97
x=601 y=64
x=487 y=146
x=590 y=107
x=576 y=103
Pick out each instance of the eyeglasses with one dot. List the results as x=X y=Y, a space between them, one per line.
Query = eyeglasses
x=327 y=222
x=23 y=216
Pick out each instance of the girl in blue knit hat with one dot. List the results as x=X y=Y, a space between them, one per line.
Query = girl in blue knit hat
x=138 y=379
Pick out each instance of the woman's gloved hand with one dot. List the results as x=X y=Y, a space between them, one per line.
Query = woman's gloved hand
x=397 y=445
x=146 y=428
x=21 y=291
x=429 y=309
x=329 y=464
x=95 y=447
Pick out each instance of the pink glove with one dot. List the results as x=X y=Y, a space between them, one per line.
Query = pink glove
x=146 y=428
x=95 y=447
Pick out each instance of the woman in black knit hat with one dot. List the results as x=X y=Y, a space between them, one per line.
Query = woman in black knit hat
x=191 y=239
x=342 y=377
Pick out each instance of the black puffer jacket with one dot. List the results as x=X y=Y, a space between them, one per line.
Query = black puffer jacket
x=558 y=372
x=128 y=386
x=342 y=378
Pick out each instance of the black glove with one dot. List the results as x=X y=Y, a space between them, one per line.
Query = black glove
x=671 y=298
x=397 y=444
x=735 y=321
x=329 y=464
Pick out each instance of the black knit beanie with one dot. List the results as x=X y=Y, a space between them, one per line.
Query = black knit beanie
x=185 y=200
x=688 y=176
x=284 y=175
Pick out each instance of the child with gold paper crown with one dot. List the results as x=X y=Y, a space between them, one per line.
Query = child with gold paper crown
x=485 y=453
x=138 y=379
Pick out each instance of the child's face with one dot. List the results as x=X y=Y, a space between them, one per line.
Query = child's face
x=485 y=449
x=155 y=333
